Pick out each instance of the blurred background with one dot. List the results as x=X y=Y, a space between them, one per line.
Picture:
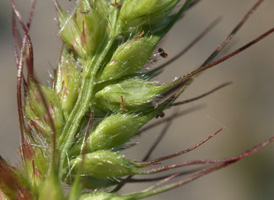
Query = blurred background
x=244 y=109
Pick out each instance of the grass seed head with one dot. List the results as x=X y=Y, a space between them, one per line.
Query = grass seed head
x=106 y=45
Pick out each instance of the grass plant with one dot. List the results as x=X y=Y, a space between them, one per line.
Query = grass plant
x=74 y=130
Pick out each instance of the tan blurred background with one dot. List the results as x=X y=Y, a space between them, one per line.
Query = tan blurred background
x=244 y=109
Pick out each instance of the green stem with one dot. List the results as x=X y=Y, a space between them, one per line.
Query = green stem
x=82 y=105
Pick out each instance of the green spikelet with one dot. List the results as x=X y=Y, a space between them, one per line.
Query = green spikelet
x=137 y=13
x=132 y=94
x=68 y=82
x=91 y=26
x=104 y=164
x=113 y=131
x=43 y=109
x=125 y=61
x=12 y=181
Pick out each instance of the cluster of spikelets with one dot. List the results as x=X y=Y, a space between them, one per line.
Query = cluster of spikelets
x=74 y=130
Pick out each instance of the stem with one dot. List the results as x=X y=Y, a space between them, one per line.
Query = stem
x=82 y=105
